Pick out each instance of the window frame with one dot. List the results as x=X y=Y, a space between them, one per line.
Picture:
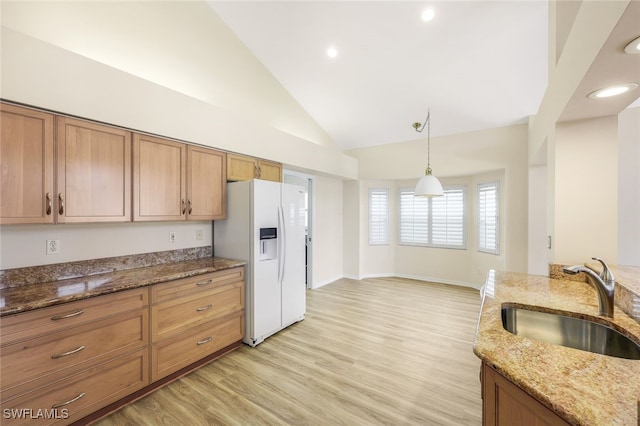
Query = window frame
x=480 y=188
x=430 y=216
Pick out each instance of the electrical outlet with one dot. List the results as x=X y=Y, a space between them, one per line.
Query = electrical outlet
x=172 y=237
x=53 y=246
x=198 y=234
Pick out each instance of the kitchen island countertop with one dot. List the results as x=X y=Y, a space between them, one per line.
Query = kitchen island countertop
x=582 y=387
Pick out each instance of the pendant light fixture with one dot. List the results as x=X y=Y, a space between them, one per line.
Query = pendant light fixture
x=428 y=185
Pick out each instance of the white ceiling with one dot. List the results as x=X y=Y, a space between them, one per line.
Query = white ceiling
x=476 y=65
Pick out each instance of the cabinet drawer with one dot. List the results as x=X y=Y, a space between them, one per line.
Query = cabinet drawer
x=55 y=318
x=192 y=285
x=63 y=353
x=178 y=316
x=173 y=354
x=79 y=395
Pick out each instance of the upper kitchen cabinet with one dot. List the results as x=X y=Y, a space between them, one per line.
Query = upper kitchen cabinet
x=241 y=167
x=26 y=164
x=94 y=172
x=206 y=184
x=176 y=181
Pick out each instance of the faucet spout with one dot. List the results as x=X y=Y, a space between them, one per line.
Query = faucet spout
x=603 y=283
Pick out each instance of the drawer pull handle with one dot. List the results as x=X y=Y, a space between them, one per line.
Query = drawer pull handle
x=204 y=308
x=207 y=340
x=205 y=282
x=190 y=208
x=76 y=350
x=184 y=206
x=62 y=404
x=71 y=315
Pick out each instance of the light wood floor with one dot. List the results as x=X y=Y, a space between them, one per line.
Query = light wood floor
x=384 y=351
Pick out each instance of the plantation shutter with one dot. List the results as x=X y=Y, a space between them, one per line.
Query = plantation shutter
x=378 y=216
x=488 y=218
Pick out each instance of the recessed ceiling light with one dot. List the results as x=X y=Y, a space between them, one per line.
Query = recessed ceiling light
x=428 y=14
x=613 y=91
x=332 y=52
x=633 y=47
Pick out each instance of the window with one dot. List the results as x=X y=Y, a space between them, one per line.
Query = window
x=488 y=218
x=433 y=222
x=378 y=216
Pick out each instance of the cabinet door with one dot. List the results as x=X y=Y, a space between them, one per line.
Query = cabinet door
x=207 y=184
x=26 y=161
x=240 y=167
x=94 y=172
x=159 y=179
x=270 y=171
x=505 y=404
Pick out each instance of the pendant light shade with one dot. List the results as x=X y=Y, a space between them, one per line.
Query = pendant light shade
x=428 y=185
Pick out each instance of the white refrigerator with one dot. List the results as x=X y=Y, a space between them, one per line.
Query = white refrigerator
x=265 y=227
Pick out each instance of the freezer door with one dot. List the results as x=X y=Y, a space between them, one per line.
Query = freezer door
x=293 y=264
x=266 y=291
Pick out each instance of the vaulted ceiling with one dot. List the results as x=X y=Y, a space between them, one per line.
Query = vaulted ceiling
x=475 y=65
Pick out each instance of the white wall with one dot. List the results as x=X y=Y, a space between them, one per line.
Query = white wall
x=327 y=230
x=352 y=220
x=586 y=190
x=629 y=187
x=537 y=235
x=25 y=245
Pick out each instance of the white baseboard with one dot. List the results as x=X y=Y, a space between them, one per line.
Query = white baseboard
x=317 y=285
x=411 y=277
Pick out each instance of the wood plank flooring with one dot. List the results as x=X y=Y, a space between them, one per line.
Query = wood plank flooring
x=383 y=351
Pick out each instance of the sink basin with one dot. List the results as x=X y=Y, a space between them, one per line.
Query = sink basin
x=568 y=331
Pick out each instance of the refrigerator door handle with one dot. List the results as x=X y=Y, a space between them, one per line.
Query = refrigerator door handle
x=281 y=244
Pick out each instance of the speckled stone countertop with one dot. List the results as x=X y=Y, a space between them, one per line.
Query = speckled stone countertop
x=33 y=296
x=582 y=387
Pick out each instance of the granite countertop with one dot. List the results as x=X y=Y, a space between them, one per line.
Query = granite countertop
x=582 y=387
x=34 y=296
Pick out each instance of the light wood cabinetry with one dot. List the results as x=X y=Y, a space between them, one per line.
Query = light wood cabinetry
x=52 y=357
x=92 y=169
x=195 y=317
x=93 y=172
x=241 y=167
x=26 y=162
x=176 y=181
x=206 y=184
x=505 y=404
x=84 y=359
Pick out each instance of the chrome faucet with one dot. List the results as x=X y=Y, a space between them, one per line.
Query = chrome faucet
x=604 y=284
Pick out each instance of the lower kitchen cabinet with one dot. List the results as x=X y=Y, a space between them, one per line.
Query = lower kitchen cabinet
x=78 y=395
x=172 y=354
x=195 y=317
x=505 y=404
x=84 y=359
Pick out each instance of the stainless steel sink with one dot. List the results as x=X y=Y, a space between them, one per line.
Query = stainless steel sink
x=568 y=331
